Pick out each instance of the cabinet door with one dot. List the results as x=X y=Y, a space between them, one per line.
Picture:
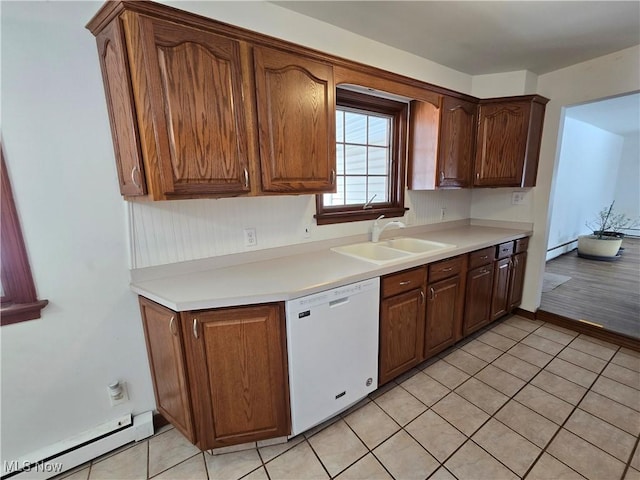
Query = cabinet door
x=166 y=359
x=296 y=122
x=501 y=275
x=501 y=143
x=188 y=84
x=457 y=143
x=124 y=129
x=517 y=280
x=401 y=334
x=424 y=128
x=443 y=315
x=477 y=309
x=240 y=372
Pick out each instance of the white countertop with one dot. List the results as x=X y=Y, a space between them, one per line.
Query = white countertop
x=204 y=285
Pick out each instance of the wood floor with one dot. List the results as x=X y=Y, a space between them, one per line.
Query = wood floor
x=604 y=293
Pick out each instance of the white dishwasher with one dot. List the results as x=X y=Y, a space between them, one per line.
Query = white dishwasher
x=332 y=344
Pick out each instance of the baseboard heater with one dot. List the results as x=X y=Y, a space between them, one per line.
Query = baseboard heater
x=562 y=245
x=70 y=453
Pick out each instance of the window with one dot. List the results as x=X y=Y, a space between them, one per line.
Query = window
x=19 y=301
x=370 y=159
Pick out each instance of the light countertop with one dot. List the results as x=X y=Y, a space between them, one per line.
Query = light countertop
x=206 y=285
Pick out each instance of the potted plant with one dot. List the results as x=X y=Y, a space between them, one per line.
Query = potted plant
x=605 y=242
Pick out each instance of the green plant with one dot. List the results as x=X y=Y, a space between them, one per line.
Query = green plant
x=608 y=221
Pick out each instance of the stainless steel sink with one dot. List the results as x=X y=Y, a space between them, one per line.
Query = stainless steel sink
x=392 y=250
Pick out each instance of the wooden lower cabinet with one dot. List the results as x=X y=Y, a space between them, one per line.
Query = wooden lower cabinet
x=232 y=380
x=168 y=370
x=477 y=308
x=500 y=295
x=516 y=284
x=402 y=313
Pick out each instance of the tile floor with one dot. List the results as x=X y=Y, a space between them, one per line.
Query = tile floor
x=522 y=399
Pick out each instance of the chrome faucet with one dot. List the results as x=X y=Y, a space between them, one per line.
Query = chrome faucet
x=376 y=230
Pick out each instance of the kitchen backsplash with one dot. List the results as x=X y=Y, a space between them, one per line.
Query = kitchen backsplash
x=176 y=231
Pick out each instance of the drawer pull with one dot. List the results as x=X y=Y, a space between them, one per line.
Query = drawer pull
x=406 y=282
x=448 y=269
x=484 y=257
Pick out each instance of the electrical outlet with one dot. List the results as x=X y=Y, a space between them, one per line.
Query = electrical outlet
x=517 y=198
x=250 y=237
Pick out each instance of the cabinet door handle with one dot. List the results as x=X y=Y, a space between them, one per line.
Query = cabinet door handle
x=515 y=262
x=441 y=177
x=484 y=270
x=195 y=328
x=333 y=177
x=448 y=269
x=432 y=293
x=406 y=282
x=484 y=257
x=133 y=176
x=172 y=326
x=246 y=178
x=422 y=297
x=478 y=175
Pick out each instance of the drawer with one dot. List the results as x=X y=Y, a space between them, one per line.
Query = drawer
x=522 y=244
x=482 y=257
x=403 y=281
x=504 y=250
x=445 y=268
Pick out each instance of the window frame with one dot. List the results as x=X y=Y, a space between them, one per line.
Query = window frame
x=19 y=301
x=399 y=112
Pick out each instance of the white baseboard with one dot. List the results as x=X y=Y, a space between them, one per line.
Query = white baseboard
x=68 y=454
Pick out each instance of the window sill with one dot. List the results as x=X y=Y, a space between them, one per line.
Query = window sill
x=20 y=312
x=343 y=216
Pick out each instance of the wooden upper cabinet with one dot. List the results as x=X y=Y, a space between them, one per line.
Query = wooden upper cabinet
x=457 y=143
x=295 y=98
x=508 y=141
x=188 y=88
x=124 y=131
x=424 y=128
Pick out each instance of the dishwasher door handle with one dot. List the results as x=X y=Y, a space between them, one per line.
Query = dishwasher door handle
x=338 y=302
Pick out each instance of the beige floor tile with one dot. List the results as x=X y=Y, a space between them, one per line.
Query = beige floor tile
x=233 y=448
x=446 y=374
x=602 y=434
x=635 y=459
x=357 y=406
x=531 y=425
x=522 y=323
x=472 y=462
x=568 y=331
x=337 y=447
x=600 y=349
x=482 y=350
x=318 y=428
x=482 y=395
x=298 y=463
x=597 y=341
x=191 y=469
x=558 y=386
x=513 y=450
x=442 y=474
x=425 y=388
x=613 y=412
x=465 y=361
x=622 y=375
x=544 y=403
x=582 y=359
x=368 y=468
x=497 y=341
x=530 y=355
x=632 y=474
x=571 y=372
x=508 y=331
x=169 y=449
x=404 y=458
x=383 y=389
x=500 y=380
x=517 y=367
x=259 y=474
x=589 y=461
x=462 y=414
x=435 y=434
x=372 y=424
x=556 y=335
x=617 y=391
x=232 y=466
x=543 y=344
x=549 y=468
x=269 y=453
x=400 y=405
x=130 y=464
x=625 y=359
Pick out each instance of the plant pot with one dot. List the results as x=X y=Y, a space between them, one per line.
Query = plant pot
x=609 y=234
x=592 y=246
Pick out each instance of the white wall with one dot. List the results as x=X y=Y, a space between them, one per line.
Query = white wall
x=586 y=181
x=627 y=192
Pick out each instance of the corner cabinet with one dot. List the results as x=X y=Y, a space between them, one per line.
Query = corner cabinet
x=220 y=375
x=296 y=122
x=508 y=141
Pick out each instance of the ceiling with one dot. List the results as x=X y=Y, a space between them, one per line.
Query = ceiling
x=619 y=115
x=480 y=37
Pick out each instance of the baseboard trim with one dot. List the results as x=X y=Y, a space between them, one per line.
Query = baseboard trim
x=588 y=329
x=525 y=313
